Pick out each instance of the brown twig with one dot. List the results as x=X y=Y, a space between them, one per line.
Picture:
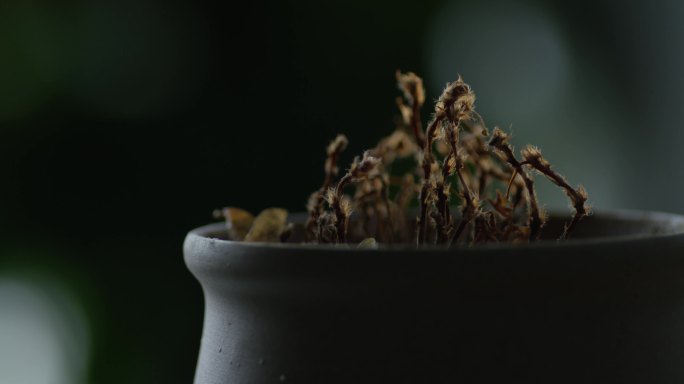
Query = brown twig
x=499 y=141
x=578 y=197
x=427 y=189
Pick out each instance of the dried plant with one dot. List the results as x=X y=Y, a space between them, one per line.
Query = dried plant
x=453 y=163
x=454 y=105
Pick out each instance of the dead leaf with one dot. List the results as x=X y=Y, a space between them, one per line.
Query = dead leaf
x=268 y=226
x=368 y=243
x=238 y=222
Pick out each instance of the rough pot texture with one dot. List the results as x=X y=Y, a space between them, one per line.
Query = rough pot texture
x=609 y=308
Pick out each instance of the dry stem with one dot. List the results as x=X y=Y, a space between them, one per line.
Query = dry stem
x=427 y=190
x=578 y=197
x=454 y=105
x=316 y=200
x=500 y=142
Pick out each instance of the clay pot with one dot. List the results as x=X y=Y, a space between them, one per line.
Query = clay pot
x=607 y=306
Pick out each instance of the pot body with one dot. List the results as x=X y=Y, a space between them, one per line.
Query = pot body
x=579 y=312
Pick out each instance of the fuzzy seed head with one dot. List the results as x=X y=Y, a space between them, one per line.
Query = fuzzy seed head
x=533 y=155
x=457 y=101
x=499 y=138
x=368 y=243
x=582 y=192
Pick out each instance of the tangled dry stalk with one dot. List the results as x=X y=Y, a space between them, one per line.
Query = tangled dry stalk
x=453 y=163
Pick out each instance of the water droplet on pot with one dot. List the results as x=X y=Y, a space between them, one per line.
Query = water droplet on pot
x=261 y=361
x=220 y=349
x=282 y=377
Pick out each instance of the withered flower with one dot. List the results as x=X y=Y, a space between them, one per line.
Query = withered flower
x=457 y=101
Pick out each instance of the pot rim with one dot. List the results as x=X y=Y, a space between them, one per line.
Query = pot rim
x=673 y=222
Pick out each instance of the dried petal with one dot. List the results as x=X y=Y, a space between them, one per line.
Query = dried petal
x=268 y=226
x=369 y=243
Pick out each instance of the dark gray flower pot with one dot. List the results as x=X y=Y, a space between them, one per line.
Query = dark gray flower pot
x=594 y=310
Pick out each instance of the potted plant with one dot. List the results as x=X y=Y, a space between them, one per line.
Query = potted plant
x=496 y=292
